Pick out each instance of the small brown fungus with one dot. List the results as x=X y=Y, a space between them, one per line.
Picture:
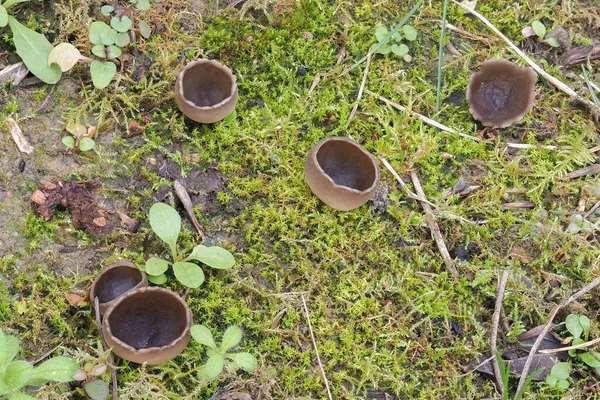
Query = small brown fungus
x=342 y=173
x=115 y=280
x=501 y=93
x=206 y=91
x=148 y=324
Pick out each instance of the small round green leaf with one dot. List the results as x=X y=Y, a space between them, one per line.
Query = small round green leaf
x=145 y=29
x=552 y=41
x=397 y=36
x=231 y=337
x=122 y=39
x=122 y=24
x=409 y=32
x=245 y=361
x=214 y=256
x=399 y=50
x=384 y=50
x=142 y=5
x=230 y=118
x=573 y=325
x=100 y=33
x=563 y=384
x=189 y=274
x=68 y=141
x=99 y=51
x=107 y=10
x=213 y=367
x=156 y=266
x=380 y=33
x=585 y=324
x=113 y=52
x=561 y=370
x=96 y=389
x=539 y=29
x=165 y=222
x=202 y=335
x=86 y=144
x=3 y=17
x=102 y=73
x=158 y=280
x=551 y=380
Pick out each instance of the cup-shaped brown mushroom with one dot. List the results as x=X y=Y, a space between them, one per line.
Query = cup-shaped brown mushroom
x=206 y=91
x=501 y=93
x=115 y=280
x=149 y=324
x=341 y=172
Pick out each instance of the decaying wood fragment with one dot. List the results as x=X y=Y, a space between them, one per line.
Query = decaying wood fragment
x=15 y=73
x=579 y=55
x=589 y=170
x=17 y=135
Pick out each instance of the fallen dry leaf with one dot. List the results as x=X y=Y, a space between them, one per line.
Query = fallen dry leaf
x=17 y=135
x=74 y=299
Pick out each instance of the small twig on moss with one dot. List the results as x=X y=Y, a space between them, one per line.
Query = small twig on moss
x=360 y=91
x=495 y=324
x=574 y=347
x=485 y=40
x=111 y=362
x=403 y=184
x=587 y=288
x=481 y=364
x=312 y=335
x=554 y=81
x=438 y=97
x=433 y=226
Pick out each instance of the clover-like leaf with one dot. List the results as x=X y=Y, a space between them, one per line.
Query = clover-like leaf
x=165 y=222
x=202 y=335
x=539 y=29
x=142 y=5
x=158 y=280
x=107 y=10
x=573 y=325
x=380 y=33
x=102 y=73
x=231 y=338
x=156 y=266
x=122 y=24
x=213 y=367
x=409 y=32
x=214 y=256
x=122 y=39
x=245 y=361
x=68 y=141
x=384 y=50
x=100 y=33
x=561 y=370
x=99 y=50
x=399 y=50
x=113 y=52
x=189 y=274
x=86 y=144
x=552 y=41
x=145 y=29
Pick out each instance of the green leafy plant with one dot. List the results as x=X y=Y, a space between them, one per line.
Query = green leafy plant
x=538 y=29
x=579 y=328
x=218 y=356
x=15 y=375
x=166 y=223
x=395 y=43
x=108 y=41
x=95 y=388
x=579 y=224
x=559 y=375
x=81 y=138
x=31 y=46
x=505 y=374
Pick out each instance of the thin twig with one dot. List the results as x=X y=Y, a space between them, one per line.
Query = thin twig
x=587 y=288
x=111 y=362
x=433 y=226
x=554 y=81
x=594 y=208
x=360 y=91
x=45 y=355
x=574 y=347
x=438 y=97
x=487 y=360
x=403 y=184
x=495 y=324
x=315 y=346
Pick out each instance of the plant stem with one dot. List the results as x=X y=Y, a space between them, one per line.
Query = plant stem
x=440 y=56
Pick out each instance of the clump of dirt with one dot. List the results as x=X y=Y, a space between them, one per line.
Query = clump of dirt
x=96 y=218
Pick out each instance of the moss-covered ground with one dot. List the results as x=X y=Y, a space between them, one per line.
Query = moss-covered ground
x=386 y=314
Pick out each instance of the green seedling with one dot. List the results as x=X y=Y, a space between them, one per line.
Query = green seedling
x=16 y=375
x=95 y=388
x=395 y=43
x=81 y=138
x=579 y=328
x=538 y=29
x=505 y=375
x=579 y=224
x=31 y=46
x=108 y=41
x=218 y=356
x=166 y=223
x=559 y=375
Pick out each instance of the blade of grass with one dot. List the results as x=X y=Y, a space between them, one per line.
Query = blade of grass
x=440 y=56
x=387 y=38
x=590 y=87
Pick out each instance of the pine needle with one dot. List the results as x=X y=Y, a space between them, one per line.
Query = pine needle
x=440 y=58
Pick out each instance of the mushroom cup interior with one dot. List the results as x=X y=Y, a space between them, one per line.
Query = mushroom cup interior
x=347 y=165
x=206 y=85
x=116 y=281
x=148 y=319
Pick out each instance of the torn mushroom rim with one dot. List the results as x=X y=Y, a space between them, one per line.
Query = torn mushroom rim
x=222 y=67
x=358 y=146
x=188 y=317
